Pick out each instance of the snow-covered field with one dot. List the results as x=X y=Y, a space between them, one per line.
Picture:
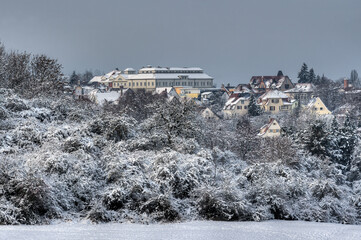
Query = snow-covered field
x=190 y=230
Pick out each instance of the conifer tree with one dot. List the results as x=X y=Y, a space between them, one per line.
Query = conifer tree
x=303 y=74
x=74 y=78
x=334 y=151
x=347 y=141
x=354 y=79
x=311 y=76
x=253 y=108
x=315 y=139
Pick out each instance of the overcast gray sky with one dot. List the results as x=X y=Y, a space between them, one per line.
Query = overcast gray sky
x=230 y=39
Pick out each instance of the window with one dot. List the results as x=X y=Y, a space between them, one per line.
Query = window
x=242 y=101
x=245 y=107
x=141 y=84
x=277 y=130
x=287 y=86
x=274 y=100
x=137 y=84
x=272 y=108
x=152 y=83
x=148 y=83
x=239 y=107
x=321 y=108
x=315 y=109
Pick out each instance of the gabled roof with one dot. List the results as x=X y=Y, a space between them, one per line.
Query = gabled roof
x=96 y=79
x=269 y=81
x=265 y=127
x=274 y=94
x=302 y=87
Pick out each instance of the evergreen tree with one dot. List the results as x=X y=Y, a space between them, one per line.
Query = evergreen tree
x=317 y=80
x=315 y=139
x=347 y=141
x=354 y=79
x=334 y=151
x=303 y=74
x=253 y=108
x=86 y=77
x=74 y=78
x=311 y=76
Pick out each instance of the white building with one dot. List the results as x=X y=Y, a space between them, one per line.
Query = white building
x=152 y=77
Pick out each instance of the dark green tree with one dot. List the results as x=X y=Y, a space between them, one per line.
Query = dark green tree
x=315 y=139
x=74 y=78
x=253 y=108
x=303 y=74
x=354 y=79
x=311 y=76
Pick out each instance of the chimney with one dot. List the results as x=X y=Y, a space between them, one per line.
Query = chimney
x=345 y=83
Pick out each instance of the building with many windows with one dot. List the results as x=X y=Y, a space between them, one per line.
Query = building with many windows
x=275 y=101
x=150 y=78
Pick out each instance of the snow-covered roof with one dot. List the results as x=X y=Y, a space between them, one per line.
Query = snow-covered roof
x=302 y=87
x=163 y=89
x=269 y=81
x=273 y=94
x=265 y=127
x=166 y=76
x=171 y=69
x=96 y=79
x=102 y=97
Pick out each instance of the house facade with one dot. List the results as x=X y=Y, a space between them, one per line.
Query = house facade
x=316 y=106
x=271 y=129
x=209 y=114
x=302 y=92
x=275 y=101
x=151 y=77
x=237 y=105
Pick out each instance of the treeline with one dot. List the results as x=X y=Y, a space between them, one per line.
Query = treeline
x=309 y=76
x=30 y=75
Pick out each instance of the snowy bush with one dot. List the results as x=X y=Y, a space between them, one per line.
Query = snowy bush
x=60 y=159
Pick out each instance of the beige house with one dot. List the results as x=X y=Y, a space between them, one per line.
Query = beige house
x=275 y=101
x=271 y=129
x=316 y=106
x=302 y=92
x=209 y=114
x=237 y=105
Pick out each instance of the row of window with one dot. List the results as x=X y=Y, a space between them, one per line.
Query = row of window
x=273 y=108
x=240 y=107
x=170 y=71
x=274 y=130
x=195 y=84
x=133 y=84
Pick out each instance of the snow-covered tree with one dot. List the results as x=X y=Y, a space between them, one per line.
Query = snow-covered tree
x=315 y=139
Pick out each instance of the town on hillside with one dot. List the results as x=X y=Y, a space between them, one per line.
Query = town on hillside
x=268 y=96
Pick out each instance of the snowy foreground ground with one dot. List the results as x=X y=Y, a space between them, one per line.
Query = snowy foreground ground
x=191 y=230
